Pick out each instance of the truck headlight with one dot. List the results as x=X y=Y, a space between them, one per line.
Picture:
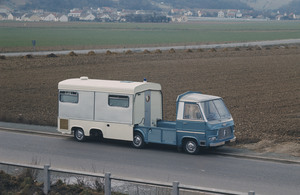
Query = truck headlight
x=212 y=138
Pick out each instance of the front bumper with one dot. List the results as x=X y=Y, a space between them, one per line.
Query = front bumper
x=222 y=143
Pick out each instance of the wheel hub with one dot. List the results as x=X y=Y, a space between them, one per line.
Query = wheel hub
x=191 y=147
x=137 y=140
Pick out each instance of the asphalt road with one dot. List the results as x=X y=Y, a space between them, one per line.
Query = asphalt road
x=158 y=163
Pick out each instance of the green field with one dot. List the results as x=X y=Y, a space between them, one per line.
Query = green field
x=20 y=34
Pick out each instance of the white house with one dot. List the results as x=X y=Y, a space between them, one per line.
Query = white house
x=10 y=16
x=199 y=13
x=188 y=13
x=179 y=18
x=238 y=14
x=15 y=16
x=231 y=13
x=35 y=17
x=221 y=14
x=75 y=13
x=87 y=17
x=25 y=17
x=104 y=17
x=49 y=17
x=62 y=18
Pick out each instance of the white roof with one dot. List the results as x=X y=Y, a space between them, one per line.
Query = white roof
x=197 y=97
x=111 y=86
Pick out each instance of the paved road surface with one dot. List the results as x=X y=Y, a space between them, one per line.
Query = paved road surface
x=153 y=163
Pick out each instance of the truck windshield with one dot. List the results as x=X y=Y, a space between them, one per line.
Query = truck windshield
x=215 y=110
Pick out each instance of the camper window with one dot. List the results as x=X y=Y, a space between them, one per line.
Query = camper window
x=68 y=96
x=119 y=101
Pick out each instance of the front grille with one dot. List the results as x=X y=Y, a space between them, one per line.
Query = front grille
x=224 y=133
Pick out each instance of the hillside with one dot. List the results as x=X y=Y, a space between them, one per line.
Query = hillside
x=266 y=4
x=207 y=4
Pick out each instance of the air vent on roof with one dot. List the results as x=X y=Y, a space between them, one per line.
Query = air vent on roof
x=84 y=78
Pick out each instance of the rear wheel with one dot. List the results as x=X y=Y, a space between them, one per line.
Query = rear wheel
x=191 y=146
x=96 y=135
x=79 y=135
x=138 y=140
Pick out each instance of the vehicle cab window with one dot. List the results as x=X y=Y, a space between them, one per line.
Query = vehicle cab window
x=192 y=111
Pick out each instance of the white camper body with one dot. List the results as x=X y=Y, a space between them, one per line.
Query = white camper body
x=109 y=108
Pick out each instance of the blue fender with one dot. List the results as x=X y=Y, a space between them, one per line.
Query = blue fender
x=140 y=130
x=180 y=140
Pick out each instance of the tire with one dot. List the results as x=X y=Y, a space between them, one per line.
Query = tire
x=79 y=135
x=138 y=140
x=96 y=135
x=191 y=146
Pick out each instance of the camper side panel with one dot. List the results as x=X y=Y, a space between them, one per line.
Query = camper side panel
x=113 y=108
x=76 y=105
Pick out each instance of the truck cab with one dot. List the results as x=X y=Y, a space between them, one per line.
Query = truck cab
x=201 y=121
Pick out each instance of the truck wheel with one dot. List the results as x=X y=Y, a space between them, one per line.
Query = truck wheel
x=138 y=140
x=79 y=135
x=191 y=146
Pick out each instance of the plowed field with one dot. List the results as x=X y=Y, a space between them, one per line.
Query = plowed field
x=261 y=86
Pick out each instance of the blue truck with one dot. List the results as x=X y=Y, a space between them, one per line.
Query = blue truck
x=132 y=111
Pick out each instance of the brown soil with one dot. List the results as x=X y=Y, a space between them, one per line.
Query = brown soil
x=260 y=87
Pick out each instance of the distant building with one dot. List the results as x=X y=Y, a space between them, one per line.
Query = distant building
x=278 y=17
x=177 y=11
x=75 y=13
x=15 y=16
x=104 y=17
x=178 y=18
x=49 y=17
x=10 y=16
x=140 y=12
x=62 y=18
x=87 y=17
x=221 y=14
x=188 y=13
x=231 y=13
x=238 y=14
x=35 y=17
x=297 y=17
x=199 y=13
x=292 y=16
x=25 y=17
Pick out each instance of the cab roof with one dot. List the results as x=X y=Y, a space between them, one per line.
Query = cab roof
x=111 y=86
x=195 y=97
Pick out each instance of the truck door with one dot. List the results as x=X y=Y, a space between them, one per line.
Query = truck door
x=190 y=119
